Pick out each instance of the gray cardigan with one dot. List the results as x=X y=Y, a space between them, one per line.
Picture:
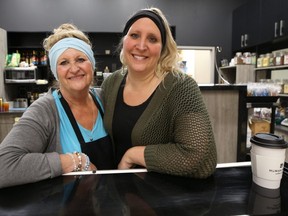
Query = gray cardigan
x=30 y=152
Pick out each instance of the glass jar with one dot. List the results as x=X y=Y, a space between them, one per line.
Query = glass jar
x=260 y=61
x=285 y=86
x=285 y=61
x=253 y=58
x=247 y=58
x=265 y=61
x=238 y=59
x=271 y=59
x=279 y=57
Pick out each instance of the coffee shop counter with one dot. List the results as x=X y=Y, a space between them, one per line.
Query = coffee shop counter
x=226 y=105
x=229 y=191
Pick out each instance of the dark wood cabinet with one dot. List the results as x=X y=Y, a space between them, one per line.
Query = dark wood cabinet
x=274 y=20
x=105 y=50
x=245 y=21
x=260 y=26
x=25 y=40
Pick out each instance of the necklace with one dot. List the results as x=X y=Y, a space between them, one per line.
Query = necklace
x=68 y=109
x=88 y=132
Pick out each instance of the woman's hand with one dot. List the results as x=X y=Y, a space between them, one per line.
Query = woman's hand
x=92 y=167
x=133 y=156
x=70 y=161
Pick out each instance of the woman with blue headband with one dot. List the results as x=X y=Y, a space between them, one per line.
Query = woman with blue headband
x=154 y=113
x=62 y=131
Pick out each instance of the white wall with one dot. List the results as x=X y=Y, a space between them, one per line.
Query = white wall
x=199 y=62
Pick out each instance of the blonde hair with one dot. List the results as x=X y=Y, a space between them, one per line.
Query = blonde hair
x=169 y=58
x=65 y=30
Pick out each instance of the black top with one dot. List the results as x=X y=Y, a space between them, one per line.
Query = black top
x=124 y=119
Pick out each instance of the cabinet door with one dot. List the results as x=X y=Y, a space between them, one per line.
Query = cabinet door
x=284 y=16
x=245 y=24
x=238 y=27
x=269 y=18
x=253 y=20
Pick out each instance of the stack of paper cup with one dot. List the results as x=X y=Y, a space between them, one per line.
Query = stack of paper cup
x=267 y=159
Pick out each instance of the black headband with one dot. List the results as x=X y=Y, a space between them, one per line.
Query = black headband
x=151 y=15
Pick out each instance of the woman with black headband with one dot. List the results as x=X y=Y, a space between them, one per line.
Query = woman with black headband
x=62 y=131
x=154 y=113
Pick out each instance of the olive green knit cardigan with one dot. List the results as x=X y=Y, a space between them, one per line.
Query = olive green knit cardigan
x=175 y=127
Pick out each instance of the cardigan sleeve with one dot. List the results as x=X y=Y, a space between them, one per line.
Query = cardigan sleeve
x=189 y=149
x=28 y=153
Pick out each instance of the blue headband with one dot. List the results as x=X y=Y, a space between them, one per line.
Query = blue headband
x=59 y=47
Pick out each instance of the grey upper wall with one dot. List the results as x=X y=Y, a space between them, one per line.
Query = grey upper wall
x=198 y=22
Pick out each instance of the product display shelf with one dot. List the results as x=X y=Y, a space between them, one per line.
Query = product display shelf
x=264 y=102
x=271 y=67
x=238 y=74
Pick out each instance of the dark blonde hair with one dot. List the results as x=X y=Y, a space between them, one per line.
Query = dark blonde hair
x=65 y=30
x=169 y=57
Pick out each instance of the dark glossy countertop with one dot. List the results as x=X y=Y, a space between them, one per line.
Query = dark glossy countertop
x=238 y=87
x=229 y=191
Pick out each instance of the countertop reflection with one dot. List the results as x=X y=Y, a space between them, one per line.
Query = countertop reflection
x=230 y=191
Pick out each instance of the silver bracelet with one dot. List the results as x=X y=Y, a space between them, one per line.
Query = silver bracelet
x=73 y=159
x=87 y=163
x=79 y=167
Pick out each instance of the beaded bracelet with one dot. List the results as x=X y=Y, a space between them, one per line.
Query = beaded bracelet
x=73 y=159
x=79 y=167
x=87 y=163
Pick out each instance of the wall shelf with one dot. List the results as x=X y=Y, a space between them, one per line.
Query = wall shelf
x=238 y=74
x=272 y=68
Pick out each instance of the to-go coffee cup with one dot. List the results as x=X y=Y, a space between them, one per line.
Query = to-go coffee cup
x=267 y=159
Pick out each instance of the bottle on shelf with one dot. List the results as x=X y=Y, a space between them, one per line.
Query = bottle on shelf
x=29 y=98
x=43 y=58
x=32 y=99
x=27 y=58
x=106 y=70
x=33 y=58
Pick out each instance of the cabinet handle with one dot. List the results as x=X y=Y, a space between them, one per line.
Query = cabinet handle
x=282 y=23
x=275 y=29
x=242 y=40
x=246 y=40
